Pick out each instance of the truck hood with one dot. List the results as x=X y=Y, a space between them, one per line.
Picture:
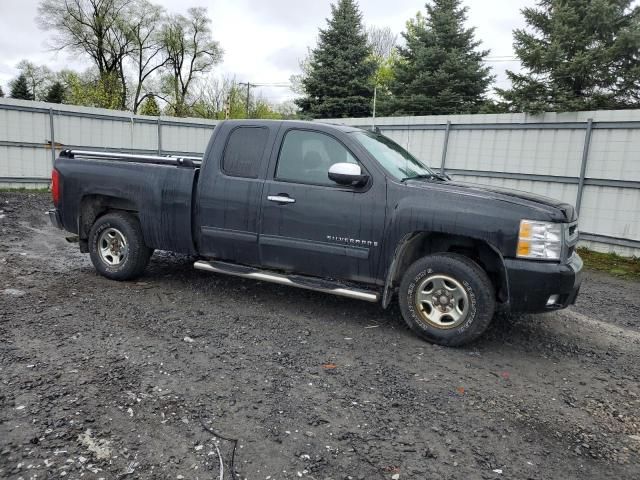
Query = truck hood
x=539 y=202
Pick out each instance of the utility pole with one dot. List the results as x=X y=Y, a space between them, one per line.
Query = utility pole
x=249 y=85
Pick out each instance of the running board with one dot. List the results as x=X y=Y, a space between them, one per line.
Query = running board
x=308 y=283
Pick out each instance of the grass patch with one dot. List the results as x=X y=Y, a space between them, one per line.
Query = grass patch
x=611 y=263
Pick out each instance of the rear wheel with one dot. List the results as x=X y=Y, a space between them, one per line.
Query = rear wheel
x=447 y=299
x=117 y=248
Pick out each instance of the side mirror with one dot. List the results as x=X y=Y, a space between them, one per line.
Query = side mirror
x=347 y=174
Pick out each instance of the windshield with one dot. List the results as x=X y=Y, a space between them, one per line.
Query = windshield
x=393 y=158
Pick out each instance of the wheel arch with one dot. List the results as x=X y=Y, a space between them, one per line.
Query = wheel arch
x=418 y=244
x=94 y=206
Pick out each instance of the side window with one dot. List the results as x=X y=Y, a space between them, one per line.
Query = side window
x=244 y=150
x=305 y=157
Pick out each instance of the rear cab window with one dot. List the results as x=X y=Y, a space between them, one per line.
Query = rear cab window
x=244 y=150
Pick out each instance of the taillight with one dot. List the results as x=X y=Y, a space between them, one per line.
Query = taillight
x=55 y=186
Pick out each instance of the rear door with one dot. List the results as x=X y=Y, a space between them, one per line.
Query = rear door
x=313 y=226
x=230 y=191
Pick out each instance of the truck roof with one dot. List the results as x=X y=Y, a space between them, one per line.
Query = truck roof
x=295 y=123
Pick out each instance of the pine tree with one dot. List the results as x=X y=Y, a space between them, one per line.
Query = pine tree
x=440 y=69
x=20 y=88
x=150 y=107
x=55 y=93
x=577 y=55
x=1 y=92
x=338 y=83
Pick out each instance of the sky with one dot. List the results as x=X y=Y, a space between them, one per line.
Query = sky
x=263 y=40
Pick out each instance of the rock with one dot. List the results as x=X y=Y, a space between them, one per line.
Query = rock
x=14 y=292
x=100 y=448
x=429 y=453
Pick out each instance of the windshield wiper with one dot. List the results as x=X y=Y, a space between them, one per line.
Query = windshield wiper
x=434 y=176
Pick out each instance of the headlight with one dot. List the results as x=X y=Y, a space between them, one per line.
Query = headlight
x=540 y=240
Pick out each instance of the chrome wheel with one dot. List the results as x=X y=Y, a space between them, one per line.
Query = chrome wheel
x=113 y=247
x=441 y=301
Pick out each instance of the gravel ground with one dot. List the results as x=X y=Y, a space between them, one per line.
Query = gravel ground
x=110 y=380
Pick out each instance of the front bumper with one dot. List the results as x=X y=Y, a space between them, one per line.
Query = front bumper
x=54 y=218
x=532 y=283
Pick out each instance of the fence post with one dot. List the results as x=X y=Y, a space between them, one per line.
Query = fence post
x=53 y=138
x=583 y=166
x=445 y=147
x=133 y=129
x=159 y=136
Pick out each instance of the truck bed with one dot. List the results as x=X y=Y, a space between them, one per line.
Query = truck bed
x=160 y=189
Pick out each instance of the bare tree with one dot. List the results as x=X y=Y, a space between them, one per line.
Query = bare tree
x=38 y=77
x=97 y=28
x=288 y=109
x=147 y=52
x=305 y=67
x=212 y=96
x=190 y=52
x=382 y=41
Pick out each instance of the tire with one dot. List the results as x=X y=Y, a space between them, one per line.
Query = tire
x=117 y=247
x=447 y=299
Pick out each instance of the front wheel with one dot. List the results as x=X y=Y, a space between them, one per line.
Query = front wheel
x=447 y=299
x=117 y=247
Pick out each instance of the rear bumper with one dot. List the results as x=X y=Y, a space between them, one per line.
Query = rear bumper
x=54 y=218
x=532 y=283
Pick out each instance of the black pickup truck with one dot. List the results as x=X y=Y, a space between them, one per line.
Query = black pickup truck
x=329 y=208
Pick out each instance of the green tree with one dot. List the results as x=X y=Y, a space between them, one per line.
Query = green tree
x=339 y=83
x=55 y=93
x=577 y=55
x=20 y=88
x=1 y=92
x=237 y=101
x=150 y=107
x=90 y=89
x=440 y=69
x=263 y=109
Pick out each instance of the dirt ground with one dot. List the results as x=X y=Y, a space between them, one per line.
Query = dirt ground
x=100 y=379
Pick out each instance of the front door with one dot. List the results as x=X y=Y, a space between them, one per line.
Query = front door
x=314 y=226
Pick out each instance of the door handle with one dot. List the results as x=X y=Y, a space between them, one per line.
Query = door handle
x=281 y=199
